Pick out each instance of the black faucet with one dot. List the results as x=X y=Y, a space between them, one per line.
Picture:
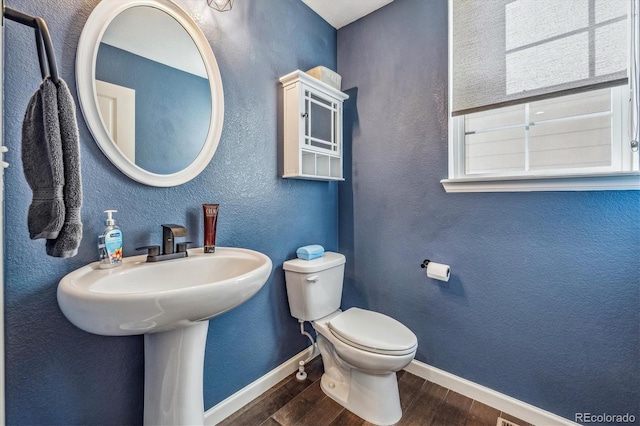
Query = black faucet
x=169 y=232
x=169 y=250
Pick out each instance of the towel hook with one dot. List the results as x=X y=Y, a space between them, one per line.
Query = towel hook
x=44 y=46
x=48 y=47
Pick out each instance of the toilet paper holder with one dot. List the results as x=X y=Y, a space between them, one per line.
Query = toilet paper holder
x=436 y=271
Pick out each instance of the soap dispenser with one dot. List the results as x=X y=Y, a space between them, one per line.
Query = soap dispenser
x=110 y=243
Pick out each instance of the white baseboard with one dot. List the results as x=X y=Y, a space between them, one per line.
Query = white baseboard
x=225 y=408
x=497 y=400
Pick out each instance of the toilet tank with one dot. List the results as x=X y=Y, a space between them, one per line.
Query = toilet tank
x=314 y=287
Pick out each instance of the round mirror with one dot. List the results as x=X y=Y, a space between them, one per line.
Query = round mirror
x=150 y=90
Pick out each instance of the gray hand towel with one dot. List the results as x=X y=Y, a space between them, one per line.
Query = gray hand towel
x=42 y=162
x=68 y=240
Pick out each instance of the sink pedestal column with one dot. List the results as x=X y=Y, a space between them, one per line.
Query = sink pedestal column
x=173 y=376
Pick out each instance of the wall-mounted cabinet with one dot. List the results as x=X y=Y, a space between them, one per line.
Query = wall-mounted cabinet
x=312 y=128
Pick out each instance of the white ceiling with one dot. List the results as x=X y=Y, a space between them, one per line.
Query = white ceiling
x=343 y=12
x=153 y=34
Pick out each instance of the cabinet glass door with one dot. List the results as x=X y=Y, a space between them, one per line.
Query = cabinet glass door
x=321 y=121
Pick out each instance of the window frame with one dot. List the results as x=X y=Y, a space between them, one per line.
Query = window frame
x=625 y=175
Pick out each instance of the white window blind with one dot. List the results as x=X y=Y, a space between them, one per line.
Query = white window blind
x=508 y=52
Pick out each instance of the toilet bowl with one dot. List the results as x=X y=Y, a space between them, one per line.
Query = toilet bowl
x=362 y=378
x=361 y=350
x=361 y=339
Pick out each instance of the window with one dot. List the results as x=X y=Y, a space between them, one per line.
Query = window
x=541 y=100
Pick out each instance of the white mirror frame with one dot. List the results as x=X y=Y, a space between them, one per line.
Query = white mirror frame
x=94 y=29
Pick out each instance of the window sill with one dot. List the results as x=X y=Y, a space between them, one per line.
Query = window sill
x=616 y=182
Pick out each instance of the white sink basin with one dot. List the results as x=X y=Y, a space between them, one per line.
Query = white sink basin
x=140 y=297
x=169 y=302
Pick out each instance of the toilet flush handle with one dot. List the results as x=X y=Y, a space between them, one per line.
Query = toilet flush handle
x=313 y=279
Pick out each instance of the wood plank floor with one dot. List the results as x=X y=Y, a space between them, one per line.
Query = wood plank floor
x=303 y=403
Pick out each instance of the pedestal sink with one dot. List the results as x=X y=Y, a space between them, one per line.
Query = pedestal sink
x=170 y=302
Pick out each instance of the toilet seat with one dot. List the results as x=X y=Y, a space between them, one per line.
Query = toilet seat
x=373 y=332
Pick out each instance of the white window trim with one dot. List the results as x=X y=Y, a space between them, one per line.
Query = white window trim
x=628 y=179
x=601 y=182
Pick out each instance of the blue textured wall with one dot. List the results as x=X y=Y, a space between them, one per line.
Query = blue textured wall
x=172 y=109
x=58 y=374
x=543 y=302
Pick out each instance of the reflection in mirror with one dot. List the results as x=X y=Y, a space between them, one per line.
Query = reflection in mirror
x=152 y=90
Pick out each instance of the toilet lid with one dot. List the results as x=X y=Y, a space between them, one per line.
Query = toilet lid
x=373 y=332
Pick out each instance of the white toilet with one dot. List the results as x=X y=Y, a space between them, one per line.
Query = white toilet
x=361 y=350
